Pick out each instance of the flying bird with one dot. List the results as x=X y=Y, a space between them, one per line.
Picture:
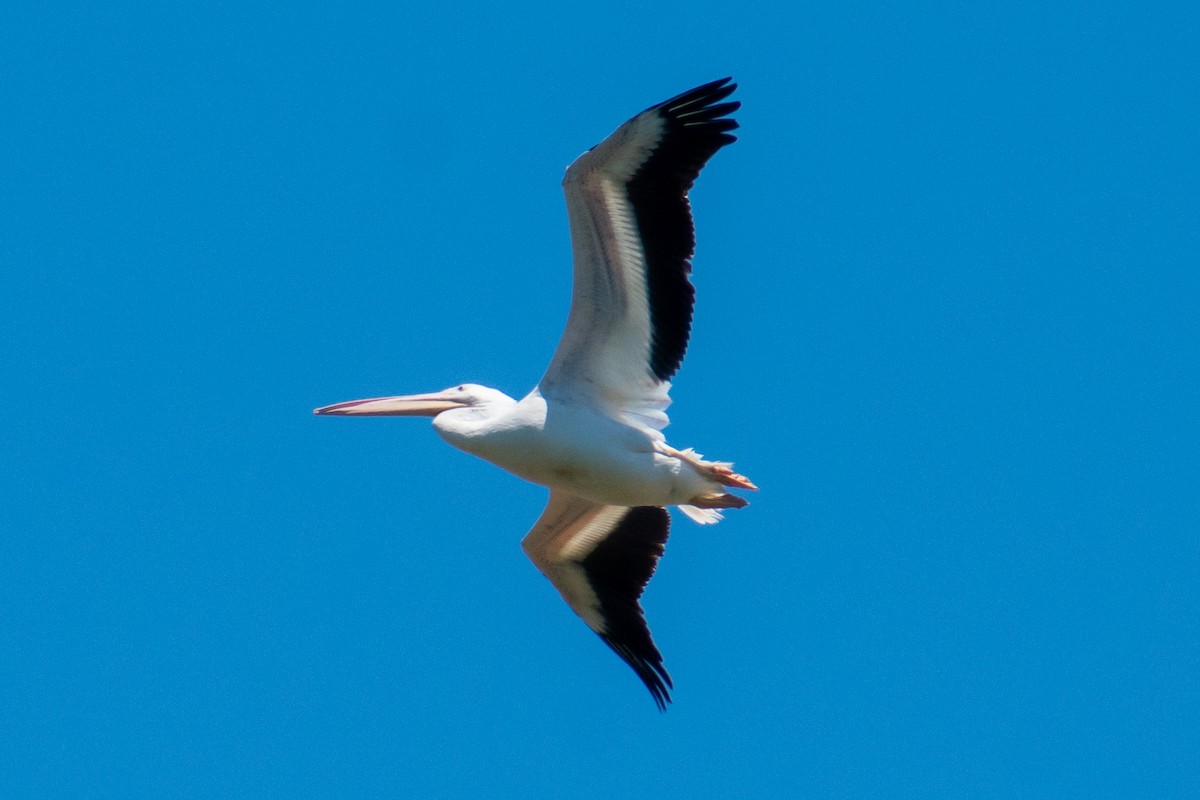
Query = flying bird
x=591 y=430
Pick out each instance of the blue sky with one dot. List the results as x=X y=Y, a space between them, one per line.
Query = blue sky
x=947 y=309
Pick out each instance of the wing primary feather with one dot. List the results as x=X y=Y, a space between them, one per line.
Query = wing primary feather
x=600 y=559
x=618 y=570
x=695 y=126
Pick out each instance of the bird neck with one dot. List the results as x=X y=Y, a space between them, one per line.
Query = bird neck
x=465 y=428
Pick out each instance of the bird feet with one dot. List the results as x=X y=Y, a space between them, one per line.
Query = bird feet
x=703 y=508
x=717 y=471
x=717 y=500
x=722 y=474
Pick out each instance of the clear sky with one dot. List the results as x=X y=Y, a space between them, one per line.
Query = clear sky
x=948 y=282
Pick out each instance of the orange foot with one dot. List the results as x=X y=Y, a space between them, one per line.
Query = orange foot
x=717 y=500
x=724 y=475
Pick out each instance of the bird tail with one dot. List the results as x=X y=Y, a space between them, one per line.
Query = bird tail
x=702 y=516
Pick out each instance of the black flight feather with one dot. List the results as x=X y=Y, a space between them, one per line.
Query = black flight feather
x=618 y=570
x=696 y=125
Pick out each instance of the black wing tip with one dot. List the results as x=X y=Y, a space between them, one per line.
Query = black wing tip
x=696 y=124
x=711 y=92
x=700 y=98
x=648 y=665
x=618 y=571
x=702 y=104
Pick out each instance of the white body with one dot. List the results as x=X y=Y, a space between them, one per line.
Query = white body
x=572 y=447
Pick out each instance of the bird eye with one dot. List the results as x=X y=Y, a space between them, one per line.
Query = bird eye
x=462 y=388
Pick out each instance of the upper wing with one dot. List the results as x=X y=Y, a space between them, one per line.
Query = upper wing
x=633 y=240
x=600 y=559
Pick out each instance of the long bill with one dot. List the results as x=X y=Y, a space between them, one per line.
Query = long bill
x=408 y=405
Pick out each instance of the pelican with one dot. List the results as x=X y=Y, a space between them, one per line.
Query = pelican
x=591 y=430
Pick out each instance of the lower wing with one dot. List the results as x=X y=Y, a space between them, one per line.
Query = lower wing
x=600 y=558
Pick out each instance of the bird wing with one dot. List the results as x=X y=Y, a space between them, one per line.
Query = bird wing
x=600 y=558
x=632 y=239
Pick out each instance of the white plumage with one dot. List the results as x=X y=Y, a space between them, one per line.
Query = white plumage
x=591 y=430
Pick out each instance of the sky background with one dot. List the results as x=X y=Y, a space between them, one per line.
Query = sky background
x=948 y=283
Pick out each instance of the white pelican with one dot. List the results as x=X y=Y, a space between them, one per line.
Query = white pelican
x=591 y=430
